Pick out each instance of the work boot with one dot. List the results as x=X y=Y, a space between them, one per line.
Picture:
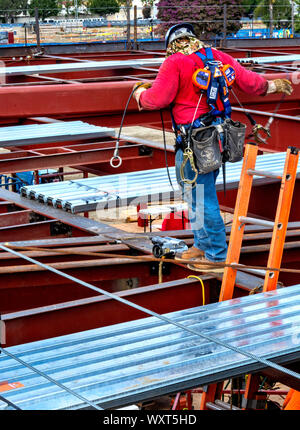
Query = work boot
x=200 y=266
x=191 y=254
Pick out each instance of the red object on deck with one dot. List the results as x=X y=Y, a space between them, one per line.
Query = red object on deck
x=176 y=221
x=11 y=37
x=142 y=219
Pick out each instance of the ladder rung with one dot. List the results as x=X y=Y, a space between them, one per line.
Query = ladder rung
x=213 y=407
x=257 y=221
x=254 y=271
x=218 y=405
x=226 y=406
x=262 y=173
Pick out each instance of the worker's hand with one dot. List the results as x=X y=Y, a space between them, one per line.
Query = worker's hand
x=139 y=88
x=145 y=85
x=280 y=86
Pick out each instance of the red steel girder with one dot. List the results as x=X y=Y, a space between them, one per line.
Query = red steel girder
x=73 y=101
x=105 y=98
x=13 y=218
x=99 y=311
x=97 y=155
x=36 y=230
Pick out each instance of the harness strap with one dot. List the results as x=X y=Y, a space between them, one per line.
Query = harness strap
x=217 y=87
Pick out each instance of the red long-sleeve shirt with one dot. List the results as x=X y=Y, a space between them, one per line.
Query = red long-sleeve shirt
x=173 y=84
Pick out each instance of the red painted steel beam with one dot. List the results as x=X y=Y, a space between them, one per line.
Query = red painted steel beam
x=35 y=230
x=7 y=207
x=73 y=100
x=263 y=201
x=80 y=155
x=13 y=218
x=117 y=248
x=91 y=271
x=99 y=311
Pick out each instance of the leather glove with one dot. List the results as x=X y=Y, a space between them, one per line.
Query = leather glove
x=280 y=86
x=139 y=88
x=145 y=85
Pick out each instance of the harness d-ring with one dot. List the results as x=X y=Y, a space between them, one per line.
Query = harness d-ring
x=116 y=157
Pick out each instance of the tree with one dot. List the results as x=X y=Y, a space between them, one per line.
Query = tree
x=297 y=16
x=46 y=8
x=103 y=7
x=249 y=6
x=207 y=15
x=282 y=11
x=9 y=9
x=68 y=6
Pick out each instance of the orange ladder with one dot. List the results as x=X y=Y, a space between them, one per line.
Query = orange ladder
x=240 y=218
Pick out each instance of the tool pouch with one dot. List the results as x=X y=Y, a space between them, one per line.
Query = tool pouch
x=234 y=139
x=206 y=145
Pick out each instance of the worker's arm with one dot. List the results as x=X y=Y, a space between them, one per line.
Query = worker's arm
x=164 y=88
x=249 y=82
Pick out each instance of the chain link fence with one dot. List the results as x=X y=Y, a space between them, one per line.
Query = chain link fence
x=140 y=23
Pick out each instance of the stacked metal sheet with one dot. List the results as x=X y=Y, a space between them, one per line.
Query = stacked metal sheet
x=60 y=131
x=138 y=360
x=134 y=187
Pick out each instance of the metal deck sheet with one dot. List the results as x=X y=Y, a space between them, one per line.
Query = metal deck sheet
x=98 y=192
x=124 y=64
x=272 y=59
x=60 y=131
x=139 y=360
x=79 y=67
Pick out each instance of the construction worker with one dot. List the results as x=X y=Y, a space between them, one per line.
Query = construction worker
x=174 y=86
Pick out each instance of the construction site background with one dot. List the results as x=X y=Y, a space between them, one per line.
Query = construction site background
x=131 y=23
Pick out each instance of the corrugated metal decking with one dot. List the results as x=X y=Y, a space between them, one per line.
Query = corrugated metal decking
x=129 y=362
x=54 y=132
x=96 y=192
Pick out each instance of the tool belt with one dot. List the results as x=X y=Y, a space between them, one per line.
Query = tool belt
x=205 y=144
x=207 y=151
x=234 y=139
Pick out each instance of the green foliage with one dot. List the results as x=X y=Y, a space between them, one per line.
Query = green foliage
x=297 y=16
x=46 y=8
x=148 y=2
x=11 y=8
x=103 y=7
x=249 y=6
x=282 y=11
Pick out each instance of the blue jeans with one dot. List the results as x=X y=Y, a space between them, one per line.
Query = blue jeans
x=204 y=211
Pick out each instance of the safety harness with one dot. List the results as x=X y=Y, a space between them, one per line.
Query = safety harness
x=219 y=77
x=214 y=80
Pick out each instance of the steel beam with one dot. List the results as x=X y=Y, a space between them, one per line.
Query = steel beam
x=13 y=218
x=99 y=311
x=35 y=230
x=96 y=155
